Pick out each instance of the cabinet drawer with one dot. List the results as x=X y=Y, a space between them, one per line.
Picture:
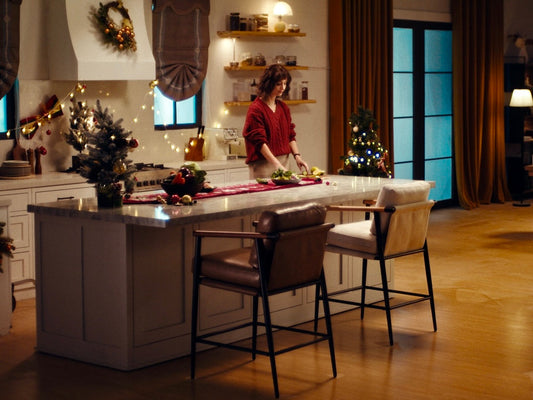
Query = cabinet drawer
x=64 y=194
x=19 y=230
x=19 y=201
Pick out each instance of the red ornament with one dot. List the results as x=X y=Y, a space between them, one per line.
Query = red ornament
x=43 y=150
x=48 y=132
x=134 y=143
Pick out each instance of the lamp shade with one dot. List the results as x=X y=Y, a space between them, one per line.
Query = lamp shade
x=281 y=9
x=521 y=98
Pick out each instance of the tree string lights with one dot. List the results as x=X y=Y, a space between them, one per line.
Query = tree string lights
x=366 y=155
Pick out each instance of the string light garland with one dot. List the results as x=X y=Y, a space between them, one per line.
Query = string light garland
x=122 y=37
x=29 y=126
x=24 y=130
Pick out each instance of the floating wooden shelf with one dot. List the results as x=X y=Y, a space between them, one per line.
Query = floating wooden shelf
x=261 y=67
x=238 y=34
x=247 y=103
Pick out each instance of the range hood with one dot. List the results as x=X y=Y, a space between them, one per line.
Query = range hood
x=76 y=50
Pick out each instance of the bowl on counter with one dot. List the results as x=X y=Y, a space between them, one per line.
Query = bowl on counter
x=181 y=189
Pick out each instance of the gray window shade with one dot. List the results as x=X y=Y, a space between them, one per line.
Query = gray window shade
x=9 y=43
x=181 y=41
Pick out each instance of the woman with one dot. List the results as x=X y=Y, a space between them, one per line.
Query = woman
x=268 y=130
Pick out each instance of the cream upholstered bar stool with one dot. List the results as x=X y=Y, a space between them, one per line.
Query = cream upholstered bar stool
x=398 y=228
x=288 y=252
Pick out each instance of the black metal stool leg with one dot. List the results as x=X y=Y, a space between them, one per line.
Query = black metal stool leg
x=386 y=298
x=317 y=298
x=363 y=286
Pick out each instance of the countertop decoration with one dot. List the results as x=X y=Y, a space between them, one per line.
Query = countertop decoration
x=6 y=245
x=81 y=122
x=366 y=155
x=106 y=163
x=122 y=38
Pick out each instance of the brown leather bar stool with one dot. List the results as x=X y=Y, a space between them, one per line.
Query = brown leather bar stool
x=398 y=228
x=288 y=253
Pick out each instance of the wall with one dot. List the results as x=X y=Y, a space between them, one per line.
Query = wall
x=127 y=98
x=130 y=99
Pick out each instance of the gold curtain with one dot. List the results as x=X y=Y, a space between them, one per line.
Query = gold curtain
x=360 y=59
x=478 y=102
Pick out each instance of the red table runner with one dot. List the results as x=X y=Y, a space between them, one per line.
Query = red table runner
x=153 y=198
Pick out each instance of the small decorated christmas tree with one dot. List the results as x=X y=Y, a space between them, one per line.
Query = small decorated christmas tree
x=366 y=155
x=106 y=163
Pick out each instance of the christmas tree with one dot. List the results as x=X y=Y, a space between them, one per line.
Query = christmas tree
x=106 y=162
x=366 y=155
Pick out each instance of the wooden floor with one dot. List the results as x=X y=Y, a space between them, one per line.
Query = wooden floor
x=482 y=269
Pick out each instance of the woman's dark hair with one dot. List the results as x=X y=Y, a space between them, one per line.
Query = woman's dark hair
x=273 y=74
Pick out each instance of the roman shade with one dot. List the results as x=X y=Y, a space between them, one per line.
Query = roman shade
x=181 y=41
x=9 y=43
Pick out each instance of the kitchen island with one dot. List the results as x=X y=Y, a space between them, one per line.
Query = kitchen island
x=114 y=285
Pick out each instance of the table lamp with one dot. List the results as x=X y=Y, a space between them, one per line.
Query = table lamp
x=521 y=98
x=281 y=9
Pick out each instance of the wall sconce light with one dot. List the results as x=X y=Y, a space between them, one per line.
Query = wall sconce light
x=281 y=9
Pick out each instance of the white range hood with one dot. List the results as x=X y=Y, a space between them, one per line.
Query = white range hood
x=76 y=50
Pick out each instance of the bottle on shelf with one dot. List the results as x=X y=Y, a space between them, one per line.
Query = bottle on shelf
x=253 y=90
x=304 y=90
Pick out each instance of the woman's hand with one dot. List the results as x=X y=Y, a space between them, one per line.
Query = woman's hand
x=301 y=163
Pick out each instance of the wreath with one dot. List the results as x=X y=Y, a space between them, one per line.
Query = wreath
x=124 y=37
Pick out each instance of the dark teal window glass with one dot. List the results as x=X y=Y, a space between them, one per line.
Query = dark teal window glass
x=438 y=51
x=437 y=170
x=3 y=115
x=438 y=143
x=438 y=93
x=170 y=114
x=402 y=50
x=403 y=140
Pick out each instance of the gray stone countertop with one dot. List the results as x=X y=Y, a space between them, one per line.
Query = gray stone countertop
x=333 y=189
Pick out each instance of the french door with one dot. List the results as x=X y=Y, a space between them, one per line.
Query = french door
x=423 y=129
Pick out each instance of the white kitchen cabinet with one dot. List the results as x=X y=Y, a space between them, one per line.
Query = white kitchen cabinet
x=21 y=228
x=237 y=174
x=5 y=281
x=63 y=192
x=227 y=176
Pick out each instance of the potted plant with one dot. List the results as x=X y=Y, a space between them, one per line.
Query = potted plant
x=106 y=164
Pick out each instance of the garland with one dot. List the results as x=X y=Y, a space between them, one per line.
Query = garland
x=124 y=37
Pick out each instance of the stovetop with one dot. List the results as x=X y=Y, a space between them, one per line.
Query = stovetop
x=149 y=176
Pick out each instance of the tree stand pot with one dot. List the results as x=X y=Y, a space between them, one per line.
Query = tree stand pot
x=109 y=196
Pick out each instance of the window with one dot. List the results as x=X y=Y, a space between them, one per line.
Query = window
x=422 y=73
x=170 y=114
x=8 y=112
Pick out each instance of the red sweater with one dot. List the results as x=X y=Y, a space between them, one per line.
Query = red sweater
x=262 y=125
